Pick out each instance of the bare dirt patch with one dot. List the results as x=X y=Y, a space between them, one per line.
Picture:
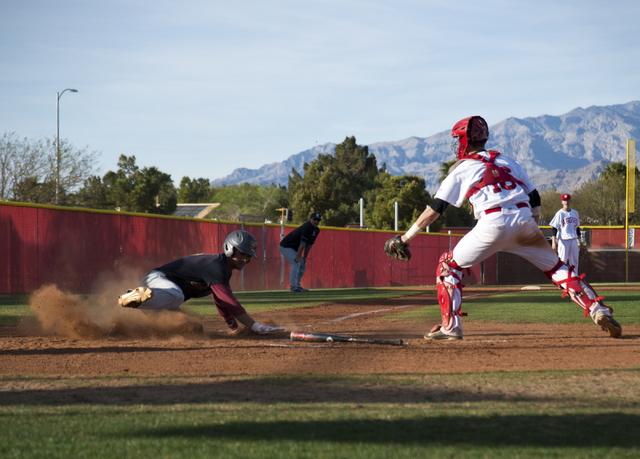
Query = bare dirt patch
x=72 y=339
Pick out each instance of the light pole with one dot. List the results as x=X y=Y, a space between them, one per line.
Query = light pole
x=395 y=211
x=58 y=96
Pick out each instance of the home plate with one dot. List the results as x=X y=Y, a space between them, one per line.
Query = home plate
x=531 y=287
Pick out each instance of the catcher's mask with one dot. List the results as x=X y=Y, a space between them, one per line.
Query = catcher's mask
x=241 y=240
x=472 y=129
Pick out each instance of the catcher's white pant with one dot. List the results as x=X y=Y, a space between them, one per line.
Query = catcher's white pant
x=297 y=268
x=569 y=252
x=166 y=294
x=510 y=230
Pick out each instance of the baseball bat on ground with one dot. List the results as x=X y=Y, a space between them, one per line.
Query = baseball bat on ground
x=329 y=338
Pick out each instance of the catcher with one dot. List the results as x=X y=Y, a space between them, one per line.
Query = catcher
x=197 y=276
x=507 y=206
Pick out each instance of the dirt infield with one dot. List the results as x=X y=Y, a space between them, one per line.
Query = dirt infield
x=70 y=345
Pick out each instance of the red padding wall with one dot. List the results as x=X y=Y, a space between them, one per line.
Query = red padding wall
x=74 y=248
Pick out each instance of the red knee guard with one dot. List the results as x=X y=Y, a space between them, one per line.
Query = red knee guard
x=446 y=265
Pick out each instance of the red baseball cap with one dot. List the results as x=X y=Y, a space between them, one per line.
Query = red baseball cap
x=566 y=197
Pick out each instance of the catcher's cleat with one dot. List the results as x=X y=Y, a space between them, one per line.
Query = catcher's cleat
x=610 y=325
x=134 y=298
x=438 y=334
x=232 y=323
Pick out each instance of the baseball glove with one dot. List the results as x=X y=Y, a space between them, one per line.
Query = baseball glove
x=584 y=253
x=397 y=249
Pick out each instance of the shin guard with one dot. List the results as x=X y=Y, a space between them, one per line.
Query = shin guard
x=580 y=292
x=449 y=289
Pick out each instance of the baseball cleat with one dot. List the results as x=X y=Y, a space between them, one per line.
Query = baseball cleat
x=232 y=323
x=134 y=298
x=609 y=324
x=438 y=334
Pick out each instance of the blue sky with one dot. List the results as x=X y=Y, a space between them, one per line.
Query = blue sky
x=200 y=88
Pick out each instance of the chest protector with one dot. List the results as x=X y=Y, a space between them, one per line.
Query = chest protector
x=494 y=175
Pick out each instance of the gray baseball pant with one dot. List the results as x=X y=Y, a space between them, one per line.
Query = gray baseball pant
x=297 y=268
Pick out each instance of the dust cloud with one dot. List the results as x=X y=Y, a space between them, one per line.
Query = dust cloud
x=98 y=316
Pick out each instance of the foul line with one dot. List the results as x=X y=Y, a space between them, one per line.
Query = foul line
x=351 y=316
x=289 y=345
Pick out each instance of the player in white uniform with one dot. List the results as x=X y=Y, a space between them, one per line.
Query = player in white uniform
x=507 y=206
x=566 y=233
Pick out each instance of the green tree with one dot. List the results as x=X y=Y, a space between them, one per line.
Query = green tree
x=333 y=185
x=31 y=190
x=252 y=202
x=93 y=195
x=195 y=191
x=29 y=169
x=615 y=169
x=76 y=165
x=453 y=217
x=444 y=168
x=156 y=192
x=409 y=191
x=131 y=189
x=549 y=204
x=602 y=201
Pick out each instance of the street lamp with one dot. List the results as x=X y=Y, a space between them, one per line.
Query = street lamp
x=58 y=96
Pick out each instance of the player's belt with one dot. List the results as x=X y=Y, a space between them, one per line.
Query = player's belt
x=498 y=209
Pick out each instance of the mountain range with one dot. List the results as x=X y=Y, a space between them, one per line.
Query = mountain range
x=556 y=151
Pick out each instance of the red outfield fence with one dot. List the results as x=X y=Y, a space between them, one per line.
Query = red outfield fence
x=76 y=248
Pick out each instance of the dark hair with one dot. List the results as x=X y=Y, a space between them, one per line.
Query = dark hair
x=477 y=145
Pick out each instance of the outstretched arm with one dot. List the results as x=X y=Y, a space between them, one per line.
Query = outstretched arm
x=228 y=305
x=246 y=320
x=425 y=219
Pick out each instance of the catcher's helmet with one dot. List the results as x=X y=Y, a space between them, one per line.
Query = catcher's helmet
x=470 y=129
x=241 y=240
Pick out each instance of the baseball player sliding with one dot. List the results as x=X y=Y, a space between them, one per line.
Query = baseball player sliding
x=507 y=207
x=196 y=276
x=566 y=231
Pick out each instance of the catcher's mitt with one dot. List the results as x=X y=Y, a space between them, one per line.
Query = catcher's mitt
x=584 y=253
x=397 y=249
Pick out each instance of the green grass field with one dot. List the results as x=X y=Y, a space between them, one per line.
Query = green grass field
x=543 y=306
x=537 y=307
x=584 y=414
x=545 y=414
